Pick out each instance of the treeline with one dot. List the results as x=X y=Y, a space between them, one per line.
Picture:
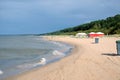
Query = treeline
x=110 y=25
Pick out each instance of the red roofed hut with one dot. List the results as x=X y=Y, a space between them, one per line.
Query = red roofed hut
x=98 y=34
x=92 y=34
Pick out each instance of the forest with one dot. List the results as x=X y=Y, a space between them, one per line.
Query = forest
x=109 y=26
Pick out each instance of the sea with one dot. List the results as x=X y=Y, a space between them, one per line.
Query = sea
x=23 y=53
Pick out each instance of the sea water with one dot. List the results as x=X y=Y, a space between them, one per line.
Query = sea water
x=22 y=53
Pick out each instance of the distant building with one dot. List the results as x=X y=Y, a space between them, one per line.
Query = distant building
x=92 y=34
x=81 y=35
x=98 y=34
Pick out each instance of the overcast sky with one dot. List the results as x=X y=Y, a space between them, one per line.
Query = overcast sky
x=41 y=16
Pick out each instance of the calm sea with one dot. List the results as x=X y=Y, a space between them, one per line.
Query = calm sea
x=22 y=53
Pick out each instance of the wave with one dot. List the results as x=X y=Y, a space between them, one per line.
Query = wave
x=1 y=72
x=58 y=53
x=25 y=66
x=41 y=62
x=58 y=43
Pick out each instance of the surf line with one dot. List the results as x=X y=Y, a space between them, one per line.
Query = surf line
x=1 y=72
x=42 y=62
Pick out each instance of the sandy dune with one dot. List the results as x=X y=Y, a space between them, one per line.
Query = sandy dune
x=89 y=61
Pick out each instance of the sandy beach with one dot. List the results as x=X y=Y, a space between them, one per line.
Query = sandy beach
x=88 y=61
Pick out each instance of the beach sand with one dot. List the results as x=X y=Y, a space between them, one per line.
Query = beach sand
x=88 y=61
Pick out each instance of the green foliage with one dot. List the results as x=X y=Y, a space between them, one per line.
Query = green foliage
x=110 y=25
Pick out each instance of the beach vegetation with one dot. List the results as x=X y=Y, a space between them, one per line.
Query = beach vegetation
x=109 y=26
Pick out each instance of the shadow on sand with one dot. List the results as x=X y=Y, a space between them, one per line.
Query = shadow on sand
x=110 y=54
x=94 y=43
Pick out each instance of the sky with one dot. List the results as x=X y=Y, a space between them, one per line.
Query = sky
x=42 y=16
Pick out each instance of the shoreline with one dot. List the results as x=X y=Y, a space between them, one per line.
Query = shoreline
x=88 y=61
x=68 y=53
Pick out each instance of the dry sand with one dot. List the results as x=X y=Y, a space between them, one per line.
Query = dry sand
x=89 y=61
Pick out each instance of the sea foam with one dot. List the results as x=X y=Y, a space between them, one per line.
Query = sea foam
x=1 y=72
x=58 y=53
x=41 y=62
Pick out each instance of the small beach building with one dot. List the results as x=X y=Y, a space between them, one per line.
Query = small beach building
x=81 y=35
x=93 y=34
x=100 y=34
